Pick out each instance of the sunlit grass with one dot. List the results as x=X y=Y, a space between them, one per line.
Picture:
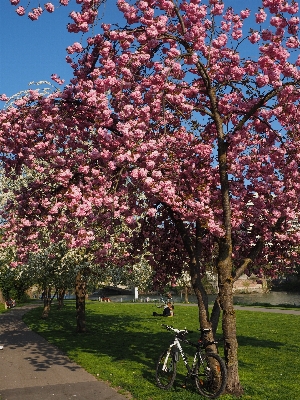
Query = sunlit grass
x=124 y=341
x=2 y=308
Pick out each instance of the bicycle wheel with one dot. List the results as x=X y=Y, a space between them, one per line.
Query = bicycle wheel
x=166 y=370
x=211 y=375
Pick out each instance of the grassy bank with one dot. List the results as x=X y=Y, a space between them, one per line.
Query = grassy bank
x=124 y=342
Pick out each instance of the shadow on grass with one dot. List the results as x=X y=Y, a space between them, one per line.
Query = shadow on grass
x=258 y=343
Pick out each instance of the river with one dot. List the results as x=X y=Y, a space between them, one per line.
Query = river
x=273 y=298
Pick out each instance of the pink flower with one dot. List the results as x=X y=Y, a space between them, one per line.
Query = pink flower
x=237 y=34
x=220 y=41
x=255 y=37
x=294 y=8
x=14 y=2
x=151 y=212
x=260 y=16
x=262 y=80
x=49 y=7
x=20 y=11
x=75 y=48
x=106 y=27
x=3 y=97
x=278 y=22
x=57 y=79
x=36 y=12
x=64 y=2
x=245 y=13
x=292 y=42
x=218 y=9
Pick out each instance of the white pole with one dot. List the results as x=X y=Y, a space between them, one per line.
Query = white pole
x=136 y=293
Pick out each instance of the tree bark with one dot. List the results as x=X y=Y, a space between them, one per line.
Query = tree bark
x=60 y=298
x=2 y=300
x=47 y=302
x=80 y=291
x=186 y=295
x=224 y=267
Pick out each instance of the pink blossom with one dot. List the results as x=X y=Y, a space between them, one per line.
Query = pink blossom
x=75 y=48
x=64 y=2
x=106 y=27
x=15 y=2
x=35 y=14
x=3 y=97
x=20 y=11
x=254 y=38
x=262 y=80
x=49 y=7
x=266 y=34
x=218 y=9
x=237 y=34
x=293 y=8
x=260 y=16
x=151 y=212
x=292 y=43
x=57 y=79
x=225 y=26
x=245 y=13
x=149 y=181
x=278 y=22
x=220 y=41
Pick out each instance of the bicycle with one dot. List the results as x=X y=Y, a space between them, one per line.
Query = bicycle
x=208 y=368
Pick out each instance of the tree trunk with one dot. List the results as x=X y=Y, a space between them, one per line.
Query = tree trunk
x=60 y=298
x=47 y=302
x=186 y=295
x=224 y=268
x=2 y=299
x=80 y=291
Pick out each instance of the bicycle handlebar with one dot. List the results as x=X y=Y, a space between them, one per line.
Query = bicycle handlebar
x=185 y=332
x=178 y=331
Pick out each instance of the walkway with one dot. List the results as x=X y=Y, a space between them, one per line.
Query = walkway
x=269 y=310
x=33 y=369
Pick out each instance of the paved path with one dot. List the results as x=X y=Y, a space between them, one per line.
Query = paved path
x=269 y=310
x=33 y=369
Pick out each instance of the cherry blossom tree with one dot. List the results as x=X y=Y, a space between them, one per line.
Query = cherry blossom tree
x=195 y=105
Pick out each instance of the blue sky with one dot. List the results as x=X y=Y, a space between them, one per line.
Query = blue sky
x=31 y=50
x=34 y=50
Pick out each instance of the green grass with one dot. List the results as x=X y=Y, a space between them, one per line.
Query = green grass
x=2 y=308
x=124 y=342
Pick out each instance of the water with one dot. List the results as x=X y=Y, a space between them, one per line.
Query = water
x=273 y=298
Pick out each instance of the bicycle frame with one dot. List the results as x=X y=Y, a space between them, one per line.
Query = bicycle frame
x=177 y=345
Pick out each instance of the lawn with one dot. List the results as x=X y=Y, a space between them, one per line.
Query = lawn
x=2 y=308
x=124 y=341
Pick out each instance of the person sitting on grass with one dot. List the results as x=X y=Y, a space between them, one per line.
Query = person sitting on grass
x=168 y=311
